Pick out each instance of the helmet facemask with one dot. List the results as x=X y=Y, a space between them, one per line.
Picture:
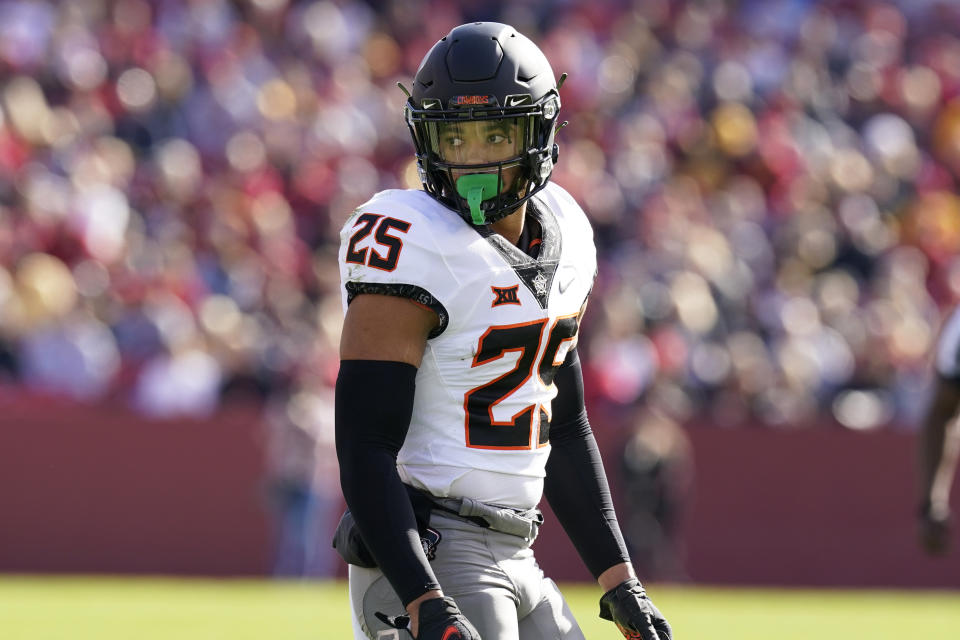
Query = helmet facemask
x=485 y=162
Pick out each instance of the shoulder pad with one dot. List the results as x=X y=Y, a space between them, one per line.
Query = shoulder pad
x=394 y=244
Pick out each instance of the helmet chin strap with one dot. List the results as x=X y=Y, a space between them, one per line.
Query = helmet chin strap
x=475 y=188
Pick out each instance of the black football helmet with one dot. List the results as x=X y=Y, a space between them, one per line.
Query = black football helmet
x=489 y=76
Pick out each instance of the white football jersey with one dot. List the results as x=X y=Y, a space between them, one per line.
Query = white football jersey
x=480 y=425
x=947 y=362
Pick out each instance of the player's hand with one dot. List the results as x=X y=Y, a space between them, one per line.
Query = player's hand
x=628 y=606
x=935 y=530
x=441 y=619
x=438 y=619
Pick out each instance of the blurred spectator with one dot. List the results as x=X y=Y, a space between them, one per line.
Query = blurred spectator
x=184 y=383
x=76 y=358
x=303 y=486
x=657 y=468
x=772 y=186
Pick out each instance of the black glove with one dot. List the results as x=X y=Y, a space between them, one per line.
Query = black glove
x=440 y=619
x=935 y=529
x=628 y=606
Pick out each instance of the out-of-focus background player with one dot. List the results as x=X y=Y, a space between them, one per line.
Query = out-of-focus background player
x=940 y=442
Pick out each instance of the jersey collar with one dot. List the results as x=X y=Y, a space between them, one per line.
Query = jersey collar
x=535 y=273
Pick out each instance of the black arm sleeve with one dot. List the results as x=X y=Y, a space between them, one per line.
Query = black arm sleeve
x=576 y=485
x=374 y=403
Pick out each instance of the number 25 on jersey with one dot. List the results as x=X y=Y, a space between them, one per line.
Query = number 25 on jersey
x=482 y=430
x=370 y=256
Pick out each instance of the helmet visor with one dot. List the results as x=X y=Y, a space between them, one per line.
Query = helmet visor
x=478 y=142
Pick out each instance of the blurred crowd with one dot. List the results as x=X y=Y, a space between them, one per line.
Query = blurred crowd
x=772 y=183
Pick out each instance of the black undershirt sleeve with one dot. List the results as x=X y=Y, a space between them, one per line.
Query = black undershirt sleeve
x=576 y=484
x=374 y=404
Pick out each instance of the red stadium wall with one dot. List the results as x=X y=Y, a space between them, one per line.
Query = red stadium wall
x=94 y=489
x=817 y=507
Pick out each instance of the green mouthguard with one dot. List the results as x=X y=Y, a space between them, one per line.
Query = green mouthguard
x=477 y=187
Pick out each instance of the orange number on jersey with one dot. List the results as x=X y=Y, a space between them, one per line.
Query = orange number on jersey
x=482 y=430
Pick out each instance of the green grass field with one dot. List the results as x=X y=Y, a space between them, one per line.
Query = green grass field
x=125 y=608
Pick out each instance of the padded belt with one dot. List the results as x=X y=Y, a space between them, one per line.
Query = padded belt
x=524 y=524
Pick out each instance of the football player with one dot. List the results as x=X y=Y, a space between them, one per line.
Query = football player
x=940 y=441
x=460 y=398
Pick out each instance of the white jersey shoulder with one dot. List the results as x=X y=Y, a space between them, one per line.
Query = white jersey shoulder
x=947 y=361
x=568 y=210
x=395 y=244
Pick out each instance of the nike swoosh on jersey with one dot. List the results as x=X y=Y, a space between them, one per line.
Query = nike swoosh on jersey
x=567 y=276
